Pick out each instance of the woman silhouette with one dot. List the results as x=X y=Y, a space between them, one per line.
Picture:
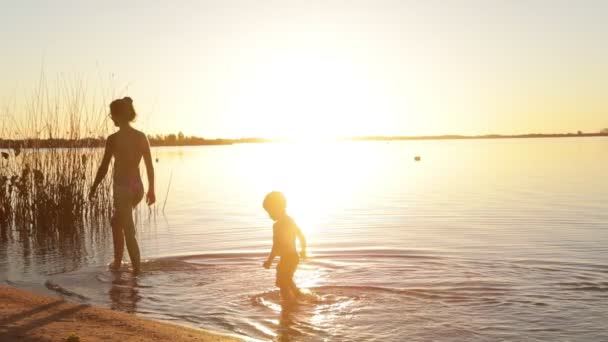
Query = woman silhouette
x=127 y=146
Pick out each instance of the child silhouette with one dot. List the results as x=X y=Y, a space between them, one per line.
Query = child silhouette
x=284 y=233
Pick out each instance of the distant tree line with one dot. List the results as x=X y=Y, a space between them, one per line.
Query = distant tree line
x=155 y=140
x=603 y=132
x=180 y=139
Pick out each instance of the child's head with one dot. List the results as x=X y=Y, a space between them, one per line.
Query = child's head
x=275 y=204
x=122 y=111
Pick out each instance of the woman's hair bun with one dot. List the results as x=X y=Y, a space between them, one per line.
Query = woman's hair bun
x=123 y=108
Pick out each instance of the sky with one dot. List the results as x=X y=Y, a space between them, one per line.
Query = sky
x=241 y=68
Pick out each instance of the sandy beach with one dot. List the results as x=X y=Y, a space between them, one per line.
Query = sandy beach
x=26 y=316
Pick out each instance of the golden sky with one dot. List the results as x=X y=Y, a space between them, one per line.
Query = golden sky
x=323 y=68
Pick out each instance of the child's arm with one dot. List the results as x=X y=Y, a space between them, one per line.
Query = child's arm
x=270 y=259
x=273 y=252
x=302 y=239
x=103 y=168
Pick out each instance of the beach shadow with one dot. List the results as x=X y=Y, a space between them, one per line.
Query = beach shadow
x=19 y=332
x=7 y=337
x=17 y=317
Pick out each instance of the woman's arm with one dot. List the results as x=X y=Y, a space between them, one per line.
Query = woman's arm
x=151 y=198
x=103 y=168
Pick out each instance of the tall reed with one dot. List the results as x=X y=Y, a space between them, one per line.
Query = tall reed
x=44 y=185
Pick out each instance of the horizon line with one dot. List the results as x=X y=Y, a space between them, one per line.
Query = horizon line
x=173 y=139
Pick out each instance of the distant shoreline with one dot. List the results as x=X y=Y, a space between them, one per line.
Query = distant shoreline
x=477 y=137
x=196 y=141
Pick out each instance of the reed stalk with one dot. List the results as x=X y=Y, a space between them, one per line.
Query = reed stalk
x=44 y=188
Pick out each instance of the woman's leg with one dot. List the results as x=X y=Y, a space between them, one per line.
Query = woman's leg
x=119 y=243
x=123 y=201
x=129 y=233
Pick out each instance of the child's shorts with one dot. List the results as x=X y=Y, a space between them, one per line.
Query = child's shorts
x=286 y=268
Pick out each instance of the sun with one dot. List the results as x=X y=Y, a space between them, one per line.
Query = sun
x=309 y=96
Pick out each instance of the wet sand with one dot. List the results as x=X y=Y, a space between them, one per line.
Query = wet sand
x=26 y=316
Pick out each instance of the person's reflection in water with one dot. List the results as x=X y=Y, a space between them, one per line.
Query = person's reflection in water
x=286 y=330
x=124 y=292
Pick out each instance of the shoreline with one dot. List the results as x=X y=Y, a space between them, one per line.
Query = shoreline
x=29 y=316
x=196 y=141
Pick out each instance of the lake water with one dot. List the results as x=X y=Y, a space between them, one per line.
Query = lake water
x=481 y=240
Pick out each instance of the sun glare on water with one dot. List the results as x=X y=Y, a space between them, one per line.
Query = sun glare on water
x=318 y=179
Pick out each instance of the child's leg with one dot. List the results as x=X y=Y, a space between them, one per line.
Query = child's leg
x=283 y=281
x=292 y=270
x=294 y=289
x=286 y=294
x=119 y=243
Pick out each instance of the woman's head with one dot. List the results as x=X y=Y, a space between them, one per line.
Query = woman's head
x=122 y=111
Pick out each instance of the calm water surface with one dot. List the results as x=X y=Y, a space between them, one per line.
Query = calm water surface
x=482 y=240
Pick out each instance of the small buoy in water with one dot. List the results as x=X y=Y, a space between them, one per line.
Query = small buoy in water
x=417 y=158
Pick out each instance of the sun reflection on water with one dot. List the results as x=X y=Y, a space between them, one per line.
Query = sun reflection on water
x=324 y=314
x=318 y=179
